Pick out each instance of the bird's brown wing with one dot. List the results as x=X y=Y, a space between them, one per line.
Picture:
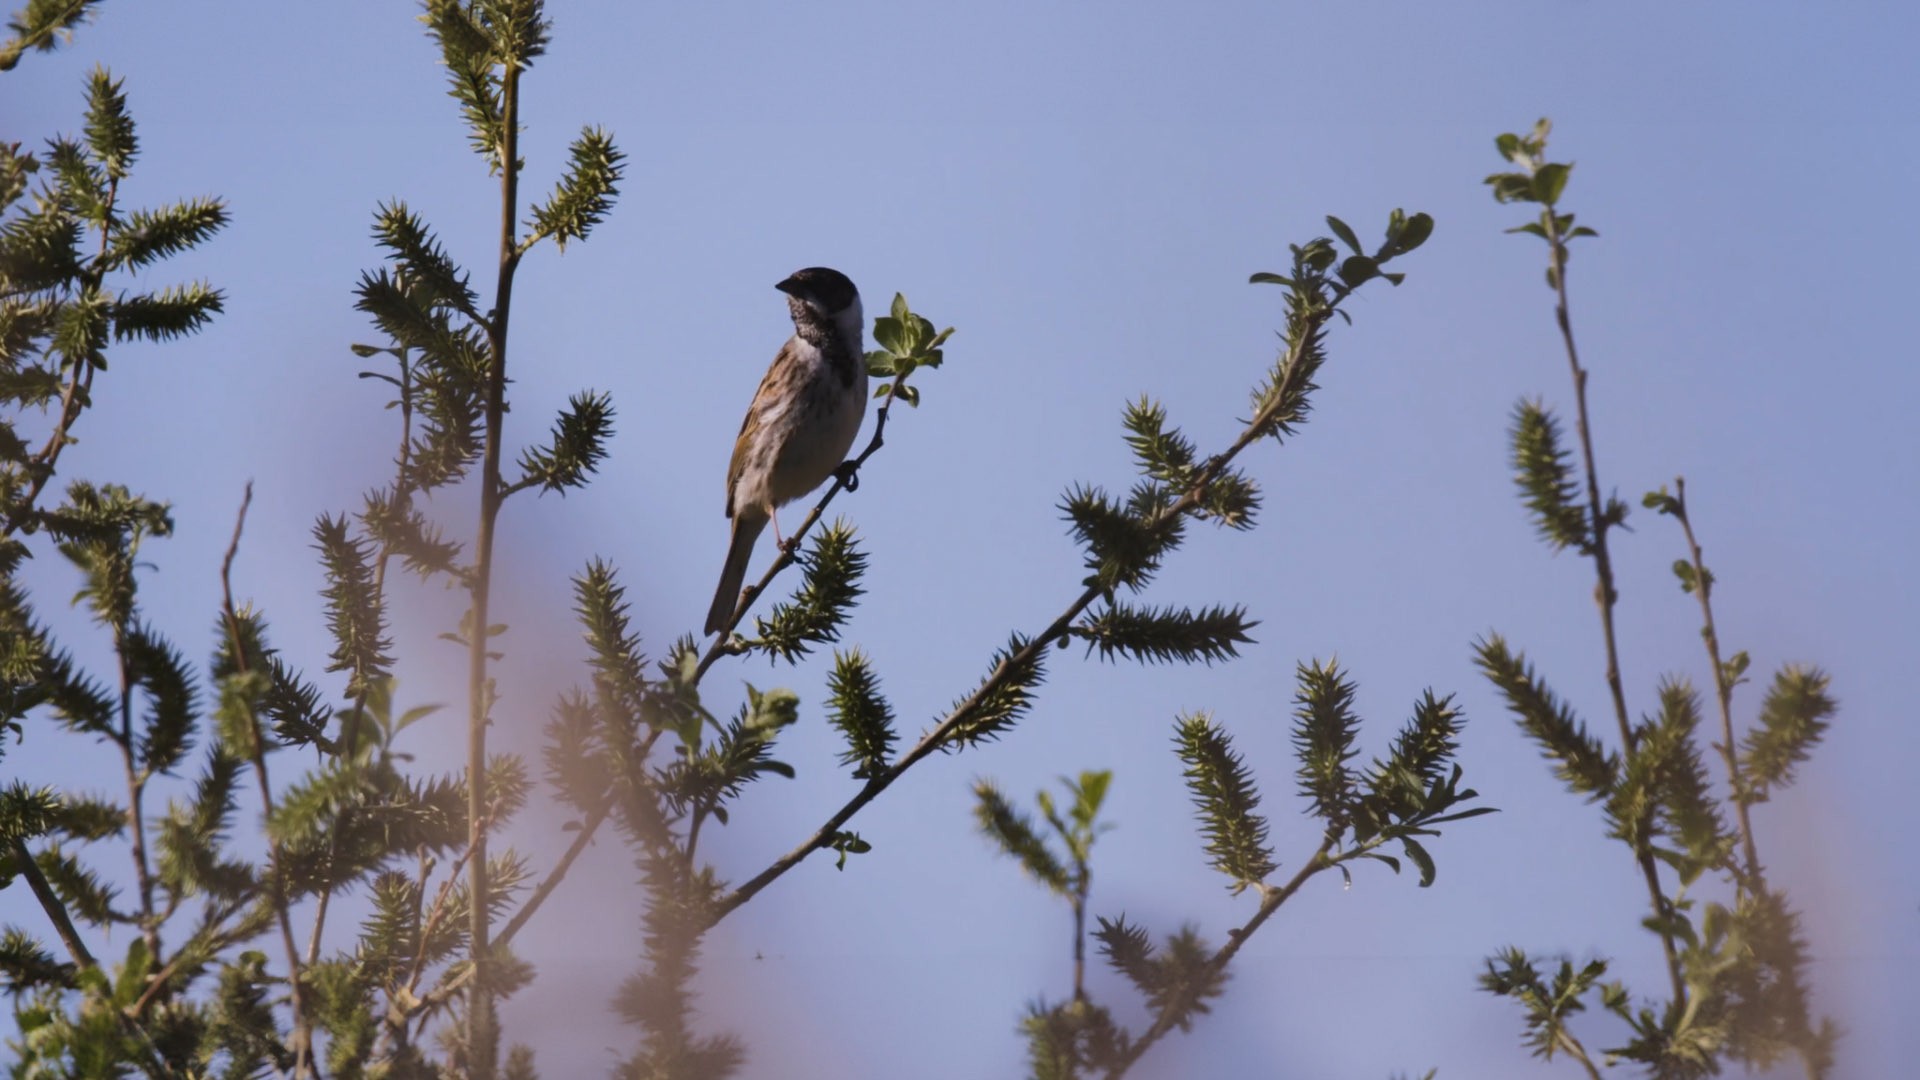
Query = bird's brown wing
x=750 y=423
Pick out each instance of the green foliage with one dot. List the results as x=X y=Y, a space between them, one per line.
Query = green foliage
x=1179 y=981
x=1067 y=873
x=1224 y=799
x=156 y=667
x=42 y=26
x=1125 y=542
x=907 y=342
x=615 y=655
x=25 y=963
x=579 y=446
x=1016 y=836
x=1664 y=793
x=1003 y=697
x=1323 y=732
x=1548 y=1002
x=397 y=527
x=582 y=198
x=1736 y=972
x=703 y=780
x=355 y=615
x=833 y=566
x=1585 y=766
x=861 y=715
x=1152 y=635
x=1065 y=1039
x=1793 y=718
x=1543 y=470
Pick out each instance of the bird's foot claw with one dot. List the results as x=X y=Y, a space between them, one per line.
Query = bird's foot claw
x=849 y=475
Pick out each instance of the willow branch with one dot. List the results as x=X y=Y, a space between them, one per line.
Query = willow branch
x=1189 y=501
x=276 y=884
x=1605 y=595
x=1722 y=682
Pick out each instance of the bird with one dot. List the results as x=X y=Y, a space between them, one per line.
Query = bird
x=801 y=423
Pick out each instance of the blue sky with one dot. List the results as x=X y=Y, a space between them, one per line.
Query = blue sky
x=1082 y=192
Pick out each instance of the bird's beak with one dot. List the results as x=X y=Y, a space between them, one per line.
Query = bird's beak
x=790 y=286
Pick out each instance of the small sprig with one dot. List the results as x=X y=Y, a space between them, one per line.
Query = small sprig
x=584 y=195
x=1543 y=471
x=907 y=342
x=579 y=446
x=1225 y=799
x=1155 y=635
x=829 y=589
x=1793 y=719
x=861 y=715
x=1581 y=762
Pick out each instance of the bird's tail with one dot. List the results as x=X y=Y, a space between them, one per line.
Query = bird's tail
x=746 y=530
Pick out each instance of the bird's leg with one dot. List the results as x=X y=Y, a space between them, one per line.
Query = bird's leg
x=848 y=474
x=774 y=514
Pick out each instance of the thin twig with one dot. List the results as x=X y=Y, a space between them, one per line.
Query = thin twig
x=552 y=881
x=1605 y=595
x=50 y=902
x=1722 y=683
x=303 y=1064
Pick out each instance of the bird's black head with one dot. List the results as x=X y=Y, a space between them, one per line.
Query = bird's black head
x=825 y=290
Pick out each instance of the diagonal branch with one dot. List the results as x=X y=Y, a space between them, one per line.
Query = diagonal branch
x=1188 y=502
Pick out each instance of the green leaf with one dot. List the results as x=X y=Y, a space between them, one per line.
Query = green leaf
x=1683 y=570
x=847 y=843
x=1416 y=231
x=1088 y=793
x=1549 y=181
x=1225 y=799
x=1420 y=859
x=1357 y=269
x=1341 y=230
x=1270 y=279
x=891 y=334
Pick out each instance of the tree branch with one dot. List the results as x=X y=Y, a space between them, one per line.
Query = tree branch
x=1605 y=596
x=303 y=1064
x=1189 y=500
x=1722 y=683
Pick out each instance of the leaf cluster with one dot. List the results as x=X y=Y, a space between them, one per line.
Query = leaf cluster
x=829 y=589
x=1737 y=972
